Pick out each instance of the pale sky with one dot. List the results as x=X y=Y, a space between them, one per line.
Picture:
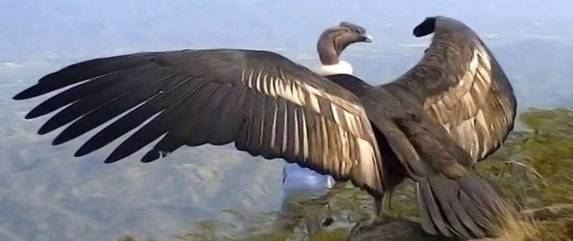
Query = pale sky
x=31 y=28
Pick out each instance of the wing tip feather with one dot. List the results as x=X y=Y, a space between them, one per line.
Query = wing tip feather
x=28 y=93
x=113 y=157
x=150 y=156
x=84 y=150
x=34 y=114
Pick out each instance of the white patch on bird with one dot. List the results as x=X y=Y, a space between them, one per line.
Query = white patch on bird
x=258 y=81
x=272 y=86
x=274 y=128
x=342 y=67
x=251 y=79
x=350 y=122
x=325 y=142
x=475 y=60
x=466 y=134
x=304 y=136
x=296 y=134
x=480 y=119
x=334 y=110
x=340 y=102
x=314 y=103
x=367 y=160
x=265 y=84
x=448 y=127
x=293 y=94
x=470 y=103
x=345 y=145
x=285 y=128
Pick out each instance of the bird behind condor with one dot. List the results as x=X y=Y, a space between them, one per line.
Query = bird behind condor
x=432 y=124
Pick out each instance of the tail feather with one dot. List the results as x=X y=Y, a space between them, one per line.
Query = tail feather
x=467 y=207
x=475 y=214
x=431 y=204
x=446 y=193
x=424 y=213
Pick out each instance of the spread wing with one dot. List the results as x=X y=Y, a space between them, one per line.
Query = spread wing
x=461 y=84
x=450 y=110
x=261 y=101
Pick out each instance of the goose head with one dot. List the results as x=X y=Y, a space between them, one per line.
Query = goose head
x=335 y=39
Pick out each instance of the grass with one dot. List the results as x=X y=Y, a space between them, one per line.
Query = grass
x=517 y=229
x=534 y=167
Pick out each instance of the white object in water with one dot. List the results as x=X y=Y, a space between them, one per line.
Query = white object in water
x=303 y=181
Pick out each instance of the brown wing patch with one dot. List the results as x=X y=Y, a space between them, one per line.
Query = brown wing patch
x=333 y=134
x=471 y=110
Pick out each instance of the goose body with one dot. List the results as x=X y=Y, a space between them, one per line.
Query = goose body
x=432 y=124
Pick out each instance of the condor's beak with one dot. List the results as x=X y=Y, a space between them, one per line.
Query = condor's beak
x=366 y=38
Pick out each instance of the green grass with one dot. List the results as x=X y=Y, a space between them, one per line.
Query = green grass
x=535 y=166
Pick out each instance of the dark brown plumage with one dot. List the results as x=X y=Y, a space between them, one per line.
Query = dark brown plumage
x=263 y=102
x=452 y=109
x=432 y=124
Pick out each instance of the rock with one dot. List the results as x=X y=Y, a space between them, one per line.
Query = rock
x=400 y=229
x=394 y=230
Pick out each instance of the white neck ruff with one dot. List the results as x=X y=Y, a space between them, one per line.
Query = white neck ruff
x=342 y=67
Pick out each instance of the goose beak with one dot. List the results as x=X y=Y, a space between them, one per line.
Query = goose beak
x=367 y=38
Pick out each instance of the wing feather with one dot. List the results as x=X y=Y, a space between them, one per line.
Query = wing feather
x=265 y=103
x=461 y=84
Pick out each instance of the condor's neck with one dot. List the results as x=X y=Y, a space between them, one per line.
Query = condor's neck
x=329 y=52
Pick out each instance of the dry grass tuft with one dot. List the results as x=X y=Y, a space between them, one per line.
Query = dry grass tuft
x=515 y=228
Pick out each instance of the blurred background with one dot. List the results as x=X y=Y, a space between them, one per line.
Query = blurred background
x=46 y=194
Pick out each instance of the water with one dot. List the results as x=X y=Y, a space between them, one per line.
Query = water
x=46 y=194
